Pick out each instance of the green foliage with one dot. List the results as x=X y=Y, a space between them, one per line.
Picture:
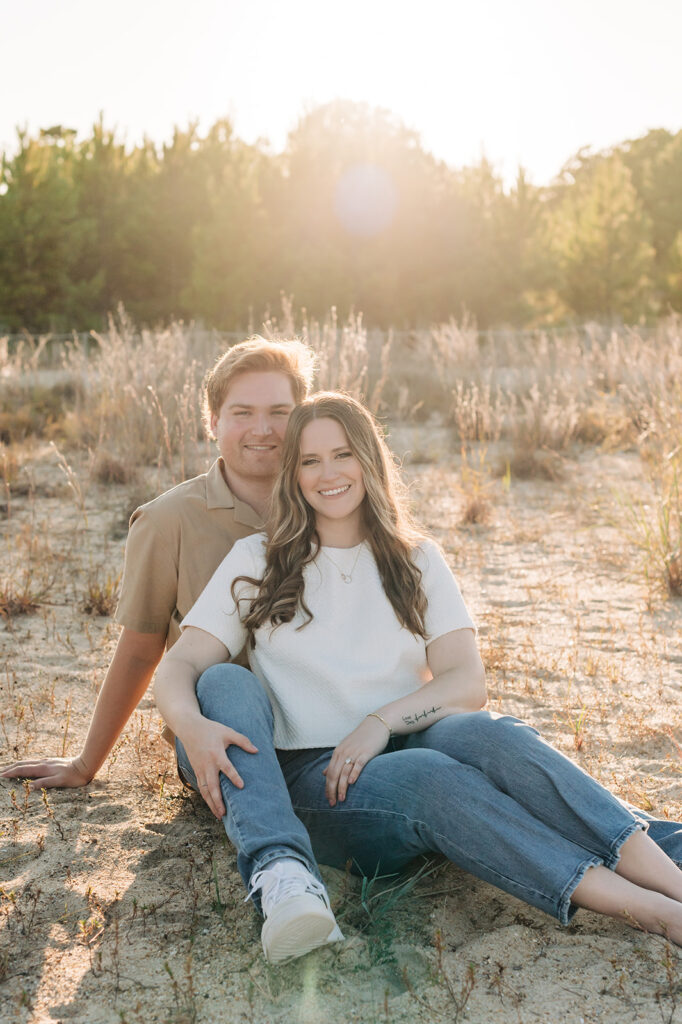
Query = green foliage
x=354 y=213
x=601 y=237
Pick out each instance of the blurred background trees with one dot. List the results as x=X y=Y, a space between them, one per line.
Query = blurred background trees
x=354 y=213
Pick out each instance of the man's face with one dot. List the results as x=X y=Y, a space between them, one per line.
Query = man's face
x=251 y=423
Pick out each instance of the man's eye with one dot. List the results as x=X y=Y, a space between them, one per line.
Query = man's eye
x=282 y=412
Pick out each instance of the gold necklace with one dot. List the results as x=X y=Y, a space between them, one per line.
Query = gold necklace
x=347 y=577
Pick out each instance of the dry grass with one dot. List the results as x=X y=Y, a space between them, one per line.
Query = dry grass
x=532 y=464
x=655 y=527
x=101 y=592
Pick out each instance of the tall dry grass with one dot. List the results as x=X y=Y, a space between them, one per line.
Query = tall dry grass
x=131 y=398
x=138 y=391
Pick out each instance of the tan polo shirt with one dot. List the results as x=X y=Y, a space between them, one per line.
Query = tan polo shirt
x=175 y=544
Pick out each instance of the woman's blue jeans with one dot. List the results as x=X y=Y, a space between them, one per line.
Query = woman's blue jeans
x=484 y=790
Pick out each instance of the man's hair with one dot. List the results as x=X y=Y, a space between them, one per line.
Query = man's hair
x=293 y=358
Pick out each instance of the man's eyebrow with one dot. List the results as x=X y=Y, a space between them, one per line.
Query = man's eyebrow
x=245 y=405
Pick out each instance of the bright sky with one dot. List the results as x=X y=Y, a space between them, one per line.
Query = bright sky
x=522 y=81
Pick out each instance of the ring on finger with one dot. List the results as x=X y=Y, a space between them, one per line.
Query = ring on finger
x=349 y=760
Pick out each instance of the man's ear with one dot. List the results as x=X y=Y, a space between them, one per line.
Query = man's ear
x=214 y=423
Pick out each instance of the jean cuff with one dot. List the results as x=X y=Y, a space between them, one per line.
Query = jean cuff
x=637 y=825
x=565 y=909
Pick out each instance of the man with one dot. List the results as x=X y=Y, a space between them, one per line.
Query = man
x=174 y=546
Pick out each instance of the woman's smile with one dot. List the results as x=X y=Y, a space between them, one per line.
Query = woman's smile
x=335 y=491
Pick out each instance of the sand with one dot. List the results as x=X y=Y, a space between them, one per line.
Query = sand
x=121 y=901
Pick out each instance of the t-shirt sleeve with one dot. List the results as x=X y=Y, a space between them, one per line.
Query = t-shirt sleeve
x=216 y=610
x=445 y=610
x=149 y=588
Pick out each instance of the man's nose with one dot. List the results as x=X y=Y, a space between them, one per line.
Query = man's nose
x=263 y=425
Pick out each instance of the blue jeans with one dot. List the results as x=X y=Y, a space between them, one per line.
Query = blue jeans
x=484 y=790
x=259 y=818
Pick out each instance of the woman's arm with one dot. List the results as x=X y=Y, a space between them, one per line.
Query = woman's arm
x=205 y=741
x=458 y=686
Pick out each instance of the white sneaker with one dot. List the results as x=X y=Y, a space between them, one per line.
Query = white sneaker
x=298 y=917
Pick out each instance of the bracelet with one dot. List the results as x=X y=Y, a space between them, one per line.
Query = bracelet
x=374 y=714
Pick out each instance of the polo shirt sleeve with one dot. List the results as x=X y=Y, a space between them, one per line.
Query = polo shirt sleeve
x=149 y=588
x=446 y=610
x=216 y=611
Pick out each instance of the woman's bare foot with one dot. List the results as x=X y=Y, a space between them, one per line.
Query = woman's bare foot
x=608 y=893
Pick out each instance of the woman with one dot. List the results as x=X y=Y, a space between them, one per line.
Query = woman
x=358 y=633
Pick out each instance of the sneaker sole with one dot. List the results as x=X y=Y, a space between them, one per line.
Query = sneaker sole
x=297 y=927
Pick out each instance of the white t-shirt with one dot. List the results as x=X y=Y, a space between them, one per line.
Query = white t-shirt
x=352 y=658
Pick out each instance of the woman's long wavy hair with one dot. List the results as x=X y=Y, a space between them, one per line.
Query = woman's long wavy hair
x=293 y=540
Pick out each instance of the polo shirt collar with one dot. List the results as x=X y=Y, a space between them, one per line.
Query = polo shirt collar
x=219 y=495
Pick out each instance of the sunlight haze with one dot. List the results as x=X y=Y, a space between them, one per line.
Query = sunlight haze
x=523 y=84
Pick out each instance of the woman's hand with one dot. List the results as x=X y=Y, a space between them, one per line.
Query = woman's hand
x=66 y=772
x=351 y=756
x=206 y=744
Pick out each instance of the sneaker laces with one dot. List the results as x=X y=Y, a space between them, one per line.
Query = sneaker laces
x=283 y=881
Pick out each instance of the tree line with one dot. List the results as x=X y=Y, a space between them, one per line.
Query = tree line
x=353 y=213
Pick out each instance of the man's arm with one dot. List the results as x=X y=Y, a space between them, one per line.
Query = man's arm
x=128 y=676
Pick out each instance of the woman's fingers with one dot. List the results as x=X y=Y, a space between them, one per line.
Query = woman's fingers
x=239 y=740
x=342 y=771
x=208 y=780
x=350 y=773
x=210 y=791
x=357 y=767
x=350 y=757
x=227 y=768
x=344 y=774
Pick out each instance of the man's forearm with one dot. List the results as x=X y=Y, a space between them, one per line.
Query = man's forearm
x=126 y=681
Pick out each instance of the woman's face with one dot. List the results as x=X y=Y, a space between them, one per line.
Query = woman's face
x=330 y=476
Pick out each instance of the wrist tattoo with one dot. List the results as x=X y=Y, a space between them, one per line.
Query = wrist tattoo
x=418 y=716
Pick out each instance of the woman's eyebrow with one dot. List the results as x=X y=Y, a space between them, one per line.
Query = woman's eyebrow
x=341 y=448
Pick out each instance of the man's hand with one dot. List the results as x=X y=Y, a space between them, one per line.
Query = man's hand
x=50 y=772
x=351 y=756
x=206 y=744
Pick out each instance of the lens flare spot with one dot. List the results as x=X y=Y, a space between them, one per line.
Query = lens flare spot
x=365 y=200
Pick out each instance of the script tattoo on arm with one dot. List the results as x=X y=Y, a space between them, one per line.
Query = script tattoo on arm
x=418 y=716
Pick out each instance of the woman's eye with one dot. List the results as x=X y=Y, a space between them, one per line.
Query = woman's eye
x=308 y=462
x=344 y=455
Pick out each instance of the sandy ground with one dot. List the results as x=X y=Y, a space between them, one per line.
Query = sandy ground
x=121 y=902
